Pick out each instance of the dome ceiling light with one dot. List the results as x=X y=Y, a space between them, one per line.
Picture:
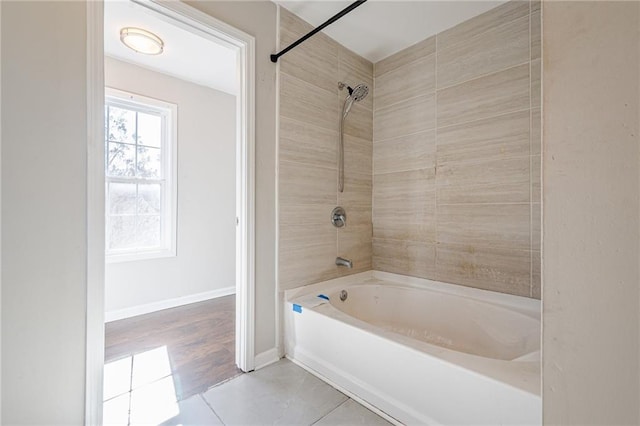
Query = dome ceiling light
x=142 y=41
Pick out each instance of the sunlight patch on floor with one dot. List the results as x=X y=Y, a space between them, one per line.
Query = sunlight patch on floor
x=139 y=389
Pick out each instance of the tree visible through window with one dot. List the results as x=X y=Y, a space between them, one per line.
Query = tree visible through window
x=139 y=173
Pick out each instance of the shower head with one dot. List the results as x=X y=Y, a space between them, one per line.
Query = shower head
x=359 y=92
x=356 y=94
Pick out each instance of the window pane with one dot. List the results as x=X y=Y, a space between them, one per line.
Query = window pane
x=122 y=232
x=122 y=198
x=148 y=231
x=149 y=130
x=121 y=159
x=148 y=162
x=122 y=125
x=149 y=198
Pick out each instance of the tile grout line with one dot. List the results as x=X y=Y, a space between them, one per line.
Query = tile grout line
x=331 y=411
x=201 y=395
x=435 y=164
x=130 y=393
x=530 y=171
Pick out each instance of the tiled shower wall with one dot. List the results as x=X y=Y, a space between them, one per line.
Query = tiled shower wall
x=456 y=186
x=310 y=107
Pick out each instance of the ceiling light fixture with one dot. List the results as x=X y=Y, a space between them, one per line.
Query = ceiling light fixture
x=142 y=41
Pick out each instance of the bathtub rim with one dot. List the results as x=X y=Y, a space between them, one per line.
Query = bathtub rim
x=524 y=305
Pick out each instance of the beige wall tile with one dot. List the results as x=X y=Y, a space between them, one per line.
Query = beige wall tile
x=308 y=103
x=503 y=136
x=417 y=51
x=484 y=181
x=358 y=155
x=305 y=214
x=536 y=225
x=475 y=26
x=496 y=49
x=404 y=257
x=536 y=284
x=305 y=184
x=498 y=192
x=414 y=79
x=301 y=235
x=536 y=34
x=488 y=96
x=357 y=190
x=315 y=61
x=536 y=196
x=536 y=91
x=354 y=243
x=495 y=269
x=315 y=264
x=405 y=153
x=307 y=144
x=536 y=131
x=486 y=225
x=405 y=118
x=359 y=122
x=306 y=253
x=404 y=206
x=357 y=217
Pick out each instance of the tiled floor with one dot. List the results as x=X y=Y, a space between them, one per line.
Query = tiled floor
x=280 y=394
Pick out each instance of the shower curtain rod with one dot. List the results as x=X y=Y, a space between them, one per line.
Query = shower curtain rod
x=274 y=57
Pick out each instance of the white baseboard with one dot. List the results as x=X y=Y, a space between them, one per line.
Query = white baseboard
x=266 y=358
x=166 y=304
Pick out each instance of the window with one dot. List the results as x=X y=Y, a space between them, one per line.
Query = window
x=140 y=177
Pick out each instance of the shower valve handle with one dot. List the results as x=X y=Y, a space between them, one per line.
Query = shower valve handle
x=339 y=217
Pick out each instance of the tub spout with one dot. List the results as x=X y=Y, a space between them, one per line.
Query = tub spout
x=340 y=261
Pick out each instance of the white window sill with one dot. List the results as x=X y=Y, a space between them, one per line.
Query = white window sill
x=138 y=256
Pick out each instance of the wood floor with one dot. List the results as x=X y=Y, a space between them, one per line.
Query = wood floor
x=200 y=339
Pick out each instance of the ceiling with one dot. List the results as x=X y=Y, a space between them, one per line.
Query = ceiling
x=380 y=28
x=187 y=55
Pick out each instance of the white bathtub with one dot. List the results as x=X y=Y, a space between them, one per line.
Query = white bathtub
x=419 y=351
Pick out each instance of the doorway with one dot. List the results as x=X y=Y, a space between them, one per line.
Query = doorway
x=196 y=23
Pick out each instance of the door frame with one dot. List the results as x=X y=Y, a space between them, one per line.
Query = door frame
x=244 y=44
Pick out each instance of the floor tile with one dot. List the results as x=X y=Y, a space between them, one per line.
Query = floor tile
x=350 y=414
x=193 y=412
x=116 y=411
x=117 y=378
x=154 y=403
x=282 y=394
x=150 y=366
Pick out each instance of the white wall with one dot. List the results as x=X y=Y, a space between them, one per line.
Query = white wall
x=44 y=237
x=205 y=260
x=591 y=213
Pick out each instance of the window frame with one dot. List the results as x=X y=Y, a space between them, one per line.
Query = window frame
x=168 y=180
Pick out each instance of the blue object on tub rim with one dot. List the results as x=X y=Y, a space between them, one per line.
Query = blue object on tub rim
x=297 y=308
x=323 y=296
